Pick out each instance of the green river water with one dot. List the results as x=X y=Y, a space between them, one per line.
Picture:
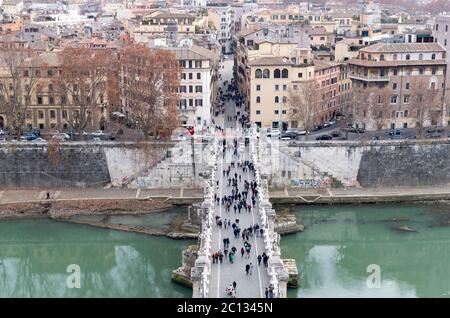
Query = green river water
x=332 y=254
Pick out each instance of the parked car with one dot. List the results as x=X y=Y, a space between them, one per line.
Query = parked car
x=39 y=139
x=96 y=139
x=301 y=132
x=30 y=136
x=433 y=135
x=61 y=136
x=98 y=133
x=357 y=130
x=2 y=132
x=395 y=132
x=289 y=135
x=274 y=133
x=324 y=137
x=336 y=134
x=435 y=129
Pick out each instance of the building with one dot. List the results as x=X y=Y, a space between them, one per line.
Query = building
x=326 y=76
x=12 y=7
x=161 y=23
x=397 y=67
x=198 y=88
x=441 y=32
x=222 y=17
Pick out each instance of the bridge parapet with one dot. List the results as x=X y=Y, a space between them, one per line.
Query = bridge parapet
x=278 y=274
x=201 y=272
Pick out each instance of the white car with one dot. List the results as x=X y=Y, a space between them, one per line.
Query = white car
x=2 y=132
x=274 y=133
x=98 y=133
x=61 y=136
x=39 y=139
x=302 y=132
x=180 y=138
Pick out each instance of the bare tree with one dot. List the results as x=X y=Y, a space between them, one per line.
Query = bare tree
x=379 y=103
x=83 y=80
x=17 y=84
x=425 y=104
x=149 y=84
x=303 y=104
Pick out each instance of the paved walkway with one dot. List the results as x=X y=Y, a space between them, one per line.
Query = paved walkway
x=223 y=274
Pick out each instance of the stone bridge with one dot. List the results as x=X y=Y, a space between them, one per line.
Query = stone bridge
x=210 y=280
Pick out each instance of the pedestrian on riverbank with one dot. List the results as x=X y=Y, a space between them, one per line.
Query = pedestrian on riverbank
x=242 y=252
x=247 y=269
x=259 y=260
x=251 y=268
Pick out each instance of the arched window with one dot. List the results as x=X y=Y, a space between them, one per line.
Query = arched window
x=277 y=99
x=258 y=73
x=369 y=57
x=284 y=73
x=266 y=73
x=382 y=57
x=420 y=56
x=258 y=99
x=407 y=57
x=276 y=73
x=433 y=56
x=284 y=99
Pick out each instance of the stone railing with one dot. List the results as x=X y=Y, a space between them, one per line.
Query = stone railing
x=201 y=272
x=278 y=275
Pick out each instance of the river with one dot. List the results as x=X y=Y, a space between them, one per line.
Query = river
x=333 y=253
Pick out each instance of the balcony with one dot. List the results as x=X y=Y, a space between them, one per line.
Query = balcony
x=369 y=77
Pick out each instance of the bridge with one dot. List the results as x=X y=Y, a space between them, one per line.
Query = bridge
x=210 y=280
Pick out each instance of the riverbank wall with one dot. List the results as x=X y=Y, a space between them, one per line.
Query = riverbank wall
x=159 y=165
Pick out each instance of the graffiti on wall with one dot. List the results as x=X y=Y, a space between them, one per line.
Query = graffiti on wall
x=326 y=182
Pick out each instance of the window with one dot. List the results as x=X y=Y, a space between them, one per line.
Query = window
x=406 y=99
x=420 y=56
x=407 y=86
x=198 y=89
x=284 y=99
x=191 y=102
x=284 y=73
x=277 y=73
x=295 y=87
x=382 y=57
x=39 y=100
x=199 y=76
x=258 y=87
x=40 y=114
x=394 y=99
x=433 y=56
x=258 y=73
x=198 y=64
x=277 y=112
x=50 y=73
x=433 y=85
x=394 y=86
x=25 y=73
x=258 y=112
x=199 y=102
x=190 y=75
x=283 y=111
x=407 y=57
x=182 y=89
x=191 y=89
x=277 y=87
x=64 y=114
x=405 y=114
x=421 y=70
x=51 y=100
x=277 y=99
x=183 y=76
x=258 y=99
x=300 y=75
x=266 y=73
x=50 y=87
x=433 y=70
x=394 y=57
x=53 y=114
x=285 y=87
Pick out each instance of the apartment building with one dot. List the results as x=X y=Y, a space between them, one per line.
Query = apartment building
x=326 y=76
x=397 y=68
x=282 y=41
x=198 y=85
x=46 y=106
x=271 y=80
x=161 y=23
x=441 y=33
x=222 y=16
